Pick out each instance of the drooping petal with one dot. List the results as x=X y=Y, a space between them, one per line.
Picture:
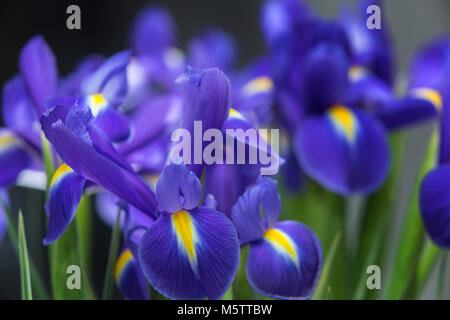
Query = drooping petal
x=190 y=255
x=178 y=188
x=212 y=48
x=246 y=213
x=153 y=31
x=81 y=146
x=129 y=277
x=325 y=77
x=346 y=150
x=13 y=157
x=38 y=68
x=286 y=263
x=19 y=113
x=65 y=192
x=434 y=200
x=409 y=110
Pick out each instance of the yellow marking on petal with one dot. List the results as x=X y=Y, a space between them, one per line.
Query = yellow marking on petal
x=258 y=85
x=430 y=95
x=124 y=258
x=356 y=72
x=344 y=119
x=282 y=242
x=97 y=103
x=186 y=235
x=7 y=140
x=62 y=170
x=235 y=114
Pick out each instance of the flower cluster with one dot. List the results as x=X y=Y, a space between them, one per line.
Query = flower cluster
x=329 y=86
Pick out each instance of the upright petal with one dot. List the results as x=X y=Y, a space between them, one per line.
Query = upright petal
x=19 y=113
x=212 y=48
x=246 y=214
x=207 y=99
x=190 y=255
x=38 y=68
x=129 y=277
x=178 y=188
x=286 y=263
x=65 y=192
x=325 y=77
x=346 y=150
x=434 y=200
x=153 y=31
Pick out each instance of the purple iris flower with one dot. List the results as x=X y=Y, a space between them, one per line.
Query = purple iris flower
x=334 y=98
x=285 y=258
x=430 y=75
x=3 y=222
x=129 y=277
x=191 y=251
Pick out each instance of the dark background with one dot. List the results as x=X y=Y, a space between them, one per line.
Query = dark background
x=105 y=29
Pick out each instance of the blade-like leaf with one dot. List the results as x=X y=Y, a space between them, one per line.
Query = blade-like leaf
x=25 y=277
x=39 y=290
x=321 y=290
x=112 y=256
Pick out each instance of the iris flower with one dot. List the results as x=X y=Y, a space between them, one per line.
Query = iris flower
x=430 y=75
x=335 y=99
x=285 y=258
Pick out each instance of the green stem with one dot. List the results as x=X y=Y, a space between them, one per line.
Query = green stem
x=25 y=277
x=427 y=260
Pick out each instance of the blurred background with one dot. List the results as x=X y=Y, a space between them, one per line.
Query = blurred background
x=105 y=29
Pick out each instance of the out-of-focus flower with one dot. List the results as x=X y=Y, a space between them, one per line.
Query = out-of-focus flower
x=129 y=277
x=3 y=222
x=285 y=258
x=191 y=251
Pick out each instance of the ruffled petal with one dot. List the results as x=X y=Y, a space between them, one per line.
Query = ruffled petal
x=81 y=146
x=286 y=263
x=246 y=214
x=38 y=68
x=346 y=150
x=178 y=188
x=65 y=192
x=129 y=277
x=434 y=200
x=190 y=255
x=13 y=157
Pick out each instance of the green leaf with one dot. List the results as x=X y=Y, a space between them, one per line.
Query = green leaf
x=48 y=158
x=408 y=248
x=228 y=295
x=112 y=257
x=321 y=290
x=64 y=252
x=426 y=261
x=25 y=277
x=39 y=290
